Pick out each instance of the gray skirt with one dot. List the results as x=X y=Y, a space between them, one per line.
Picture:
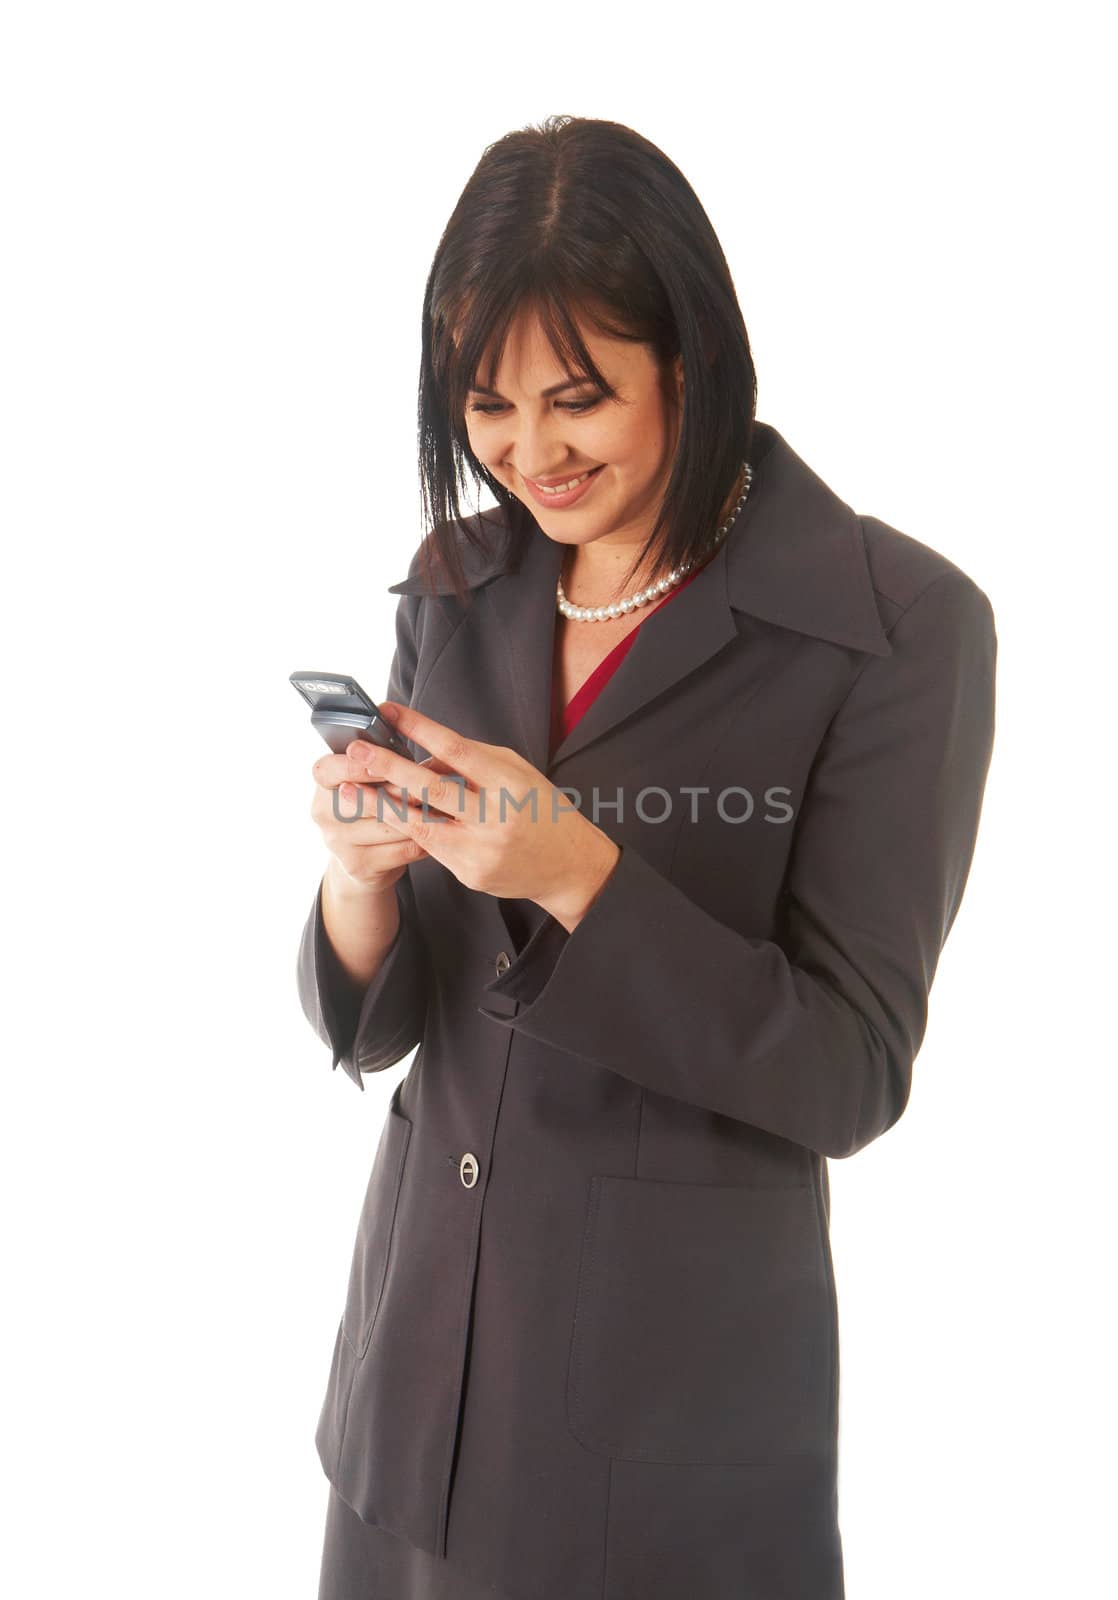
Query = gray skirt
x=361 y=1562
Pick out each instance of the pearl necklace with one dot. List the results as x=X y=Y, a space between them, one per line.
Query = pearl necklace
x=621 y=608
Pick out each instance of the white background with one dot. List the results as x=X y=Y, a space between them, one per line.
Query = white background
x=218 y=220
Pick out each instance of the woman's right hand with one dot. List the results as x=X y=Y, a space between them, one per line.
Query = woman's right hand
x=368 y=856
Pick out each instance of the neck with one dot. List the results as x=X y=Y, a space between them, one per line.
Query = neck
x=591 y=574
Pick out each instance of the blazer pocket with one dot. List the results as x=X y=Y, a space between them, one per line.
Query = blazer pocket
x=375 y=1229
x=703 y=1327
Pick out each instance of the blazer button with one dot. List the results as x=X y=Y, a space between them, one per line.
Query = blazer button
x=467 y=1169
x=503 y=962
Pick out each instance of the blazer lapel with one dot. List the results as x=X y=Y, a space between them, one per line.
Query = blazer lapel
x=696 y=624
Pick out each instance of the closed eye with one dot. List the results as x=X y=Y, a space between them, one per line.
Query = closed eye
x=491 y=409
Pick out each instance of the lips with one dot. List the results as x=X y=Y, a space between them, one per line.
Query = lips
x=551 y=483
x=568 y=497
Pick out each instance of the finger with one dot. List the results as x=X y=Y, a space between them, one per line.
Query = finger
x=466 y=756
x=359 y=757
x=372 y=861
x=442 y=790
x=432 y=830
x=331 y=770
x=433 y=764
x=360 y=813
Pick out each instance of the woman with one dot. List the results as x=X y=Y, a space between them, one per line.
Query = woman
x=661 y=910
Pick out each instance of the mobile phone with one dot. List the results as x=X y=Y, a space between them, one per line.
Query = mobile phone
x=341 y=711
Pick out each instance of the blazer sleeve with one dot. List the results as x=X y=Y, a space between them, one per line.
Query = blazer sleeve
x=369 y=1031
x=811 y=1037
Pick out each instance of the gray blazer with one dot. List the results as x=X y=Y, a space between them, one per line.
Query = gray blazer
x=589 y=1344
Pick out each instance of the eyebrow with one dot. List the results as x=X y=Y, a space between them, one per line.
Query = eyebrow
x=556 y=388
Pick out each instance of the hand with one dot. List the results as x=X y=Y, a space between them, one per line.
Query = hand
x=368 y=855
x=492 y=819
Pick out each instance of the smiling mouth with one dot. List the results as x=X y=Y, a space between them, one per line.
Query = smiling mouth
x=565 y=485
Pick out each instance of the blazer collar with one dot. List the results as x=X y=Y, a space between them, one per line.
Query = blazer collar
x=801 y=562
x=795 y=558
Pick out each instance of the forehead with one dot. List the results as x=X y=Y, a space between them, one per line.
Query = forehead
x=529 y=357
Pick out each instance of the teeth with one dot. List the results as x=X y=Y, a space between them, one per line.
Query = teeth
x=562 y=488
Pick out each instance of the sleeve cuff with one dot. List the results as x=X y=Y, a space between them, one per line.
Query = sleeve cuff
x=556 y=968
x=346 y=1017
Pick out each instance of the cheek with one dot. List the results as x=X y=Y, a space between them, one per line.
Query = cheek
x=608 y=442
x=482 y=449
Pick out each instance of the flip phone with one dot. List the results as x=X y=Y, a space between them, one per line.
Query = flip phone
x=341 y=711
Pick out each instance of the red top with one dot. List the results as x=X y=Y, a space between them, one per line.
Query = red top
x=564 y=719
x=522 y=917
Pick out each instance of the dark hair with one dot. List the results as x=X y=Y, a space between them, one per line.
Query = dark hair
x=578 y=215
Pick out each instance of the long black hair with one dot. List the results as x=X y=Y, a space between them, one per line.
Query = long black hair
x=581 y=216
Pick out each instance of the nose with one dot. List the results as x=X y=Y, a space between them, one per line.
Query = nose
x=538 y=442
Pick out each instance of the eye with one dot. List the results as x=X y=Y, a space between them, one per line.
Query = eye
x=492 y=409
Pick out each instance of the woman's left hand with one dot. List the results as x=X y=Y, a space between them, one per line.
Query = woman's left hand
x=491 y=818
